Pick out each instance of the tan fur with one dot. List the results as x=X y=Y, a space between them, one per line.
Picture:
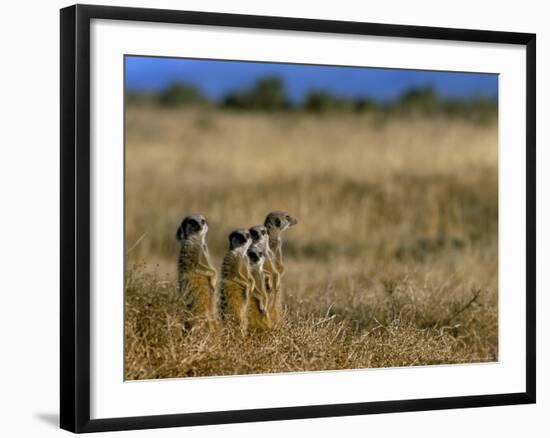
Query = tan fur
x=197 y=282
x=273 y=288
x=258 y=315
x=272 y=272
x=276 y=269
x=266 y=274
x=276 y=223
x=236 y=286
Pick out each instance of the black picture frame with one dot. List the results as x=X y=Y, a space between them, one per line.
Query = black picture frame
x=75 y=217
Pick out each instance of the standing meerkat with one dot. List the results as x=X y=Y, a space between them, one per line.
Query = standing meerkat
x=260 y=238
x=257 y=315
x=271 y=276
x=236 y=280
x=276 y=223
x=196 y=275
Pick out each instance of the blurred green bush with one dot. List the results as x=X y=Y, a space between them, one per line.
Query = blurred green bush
x=269 y=94
x=179 y=94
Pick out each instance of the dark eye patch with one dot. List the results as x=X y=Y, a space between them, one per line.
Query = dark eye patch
x=240 y=238
x=189 y=226
x=277 y=222
x=253 y=257
x=236 y=239
x=254 y=234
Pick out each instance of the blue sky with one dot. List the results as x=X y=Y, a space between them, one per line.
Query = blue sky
x=216 y=78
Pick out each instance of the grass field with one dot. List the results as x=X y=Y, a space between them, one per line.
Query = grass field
x=393 y=262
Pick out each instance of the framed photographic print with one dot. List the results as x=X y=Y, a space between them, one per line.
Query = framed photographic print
x=269 y=218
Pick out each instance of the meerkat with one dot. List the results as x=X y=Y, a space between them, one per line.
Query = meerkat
x=276 y=223
x=196 y=275
x=257 y=315
x=260 y=238
x=237 y=282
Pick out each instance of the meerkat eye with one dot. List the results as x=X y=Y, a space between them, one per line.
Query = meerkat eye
x=278 y=222
x=236 y=239
x=263 y=232
x=254 y=234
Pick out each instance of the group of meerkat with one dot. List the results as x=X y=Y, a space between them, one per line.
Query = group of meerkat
x=249 y=291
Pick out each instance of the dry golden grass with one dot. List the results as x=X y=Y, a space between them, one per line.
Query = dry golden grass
x=393 y=262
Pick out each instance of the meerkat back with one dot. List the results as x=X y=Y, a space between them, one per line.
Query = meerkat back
x=196 y=275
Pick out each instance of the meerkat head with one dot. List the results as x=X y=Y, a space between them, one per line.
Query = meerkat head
x=193 y=227
x=259 y=235
x=278 y=221
x=256 y=257
x=240 y=240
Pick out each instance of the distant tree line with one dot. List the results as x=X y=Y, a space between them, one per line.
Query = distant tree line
x=270 y=95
